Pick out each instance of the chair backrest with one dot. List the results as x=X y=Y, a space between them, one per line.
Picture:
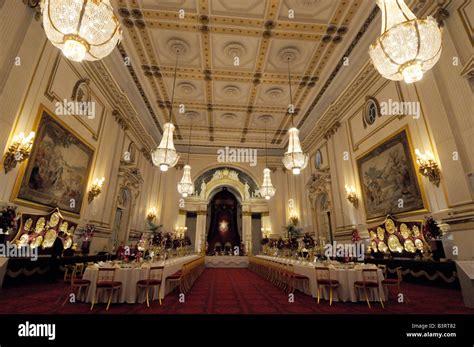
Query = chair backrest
x=322 y=273
x=106 y=274
x=156 y=273
x=79 y=269
x=399 y=274
x=370 y=275
x=384 y=269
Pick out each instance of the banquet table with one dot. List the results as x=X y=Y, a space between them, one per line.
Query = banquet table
x=227 y=261
x=130 y=276
x=346 y=277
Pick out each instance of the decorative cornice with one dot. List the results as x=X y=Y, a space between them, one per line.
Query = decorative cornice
x=332 y=130
x=36 y=6
x=120 y=119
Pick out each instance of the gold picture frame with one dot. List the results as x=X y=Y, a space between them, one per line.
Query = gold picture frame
x=26 y=194
x=419 y=206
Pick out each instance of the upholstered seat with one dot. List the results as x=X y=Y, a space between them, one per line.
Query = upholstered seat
x=108 y=284
x=367 y=284
x=176 y=275
x=326 y=282
x=390 y=281
x=152 y=282
x=81 y=282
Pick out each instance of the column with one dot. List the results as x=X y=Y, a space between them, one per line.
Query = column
x=200 y=242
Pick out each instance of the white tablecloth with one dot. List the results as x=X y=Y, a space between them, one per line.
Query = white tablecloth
x=228 y=261
x=129 y=278
x=346 y=278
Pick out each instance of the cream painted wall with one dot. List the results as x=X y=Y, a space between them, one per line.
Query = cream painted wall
x=445 y=127
x=42 y=78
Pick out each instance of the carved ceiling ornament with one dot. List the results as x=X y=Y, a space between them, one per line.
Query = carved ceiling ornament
x=332 y=130
x=318 y=184
x=129 y=178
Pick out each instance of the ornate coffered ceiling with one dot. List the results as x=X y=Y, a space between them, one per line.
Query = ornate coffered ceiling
x=233 y=61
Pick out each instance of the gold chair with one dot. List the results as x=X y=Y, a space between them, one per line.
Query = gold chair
x=106 y=281
x=370 y=280
x=393 y=282
x=323 y=279
x=155 y=277
x=77 y=283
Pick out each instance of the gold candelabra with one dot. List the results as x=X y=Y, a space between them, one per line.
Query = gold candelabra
x=19 y=150
x=96 y=189
x=428 y=166
x=352 y=196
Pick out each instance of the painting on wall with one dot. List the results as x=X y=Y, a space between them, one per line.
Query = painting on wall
x=57 y=172
x=388 y=178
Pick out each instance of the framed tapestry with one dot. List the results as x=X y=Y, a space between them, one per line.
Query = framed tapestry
x=57 y=172
x=389 y=182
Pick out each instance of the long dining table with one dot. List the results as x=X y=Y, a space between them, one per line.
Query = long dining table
x=346 y=275
x=129 y=276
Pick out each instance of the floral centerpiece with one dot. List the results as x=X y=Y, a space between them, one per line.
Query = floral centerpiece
x=308 y=241
x=86 y=237
x=355 y=235
x=431 y=229
x=8 y=220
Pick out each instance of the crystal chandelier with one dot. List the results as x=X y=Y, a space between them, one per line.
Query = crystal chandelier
x=294 y=158
x=266 y=190
x=407 y=46
x=186 y=186
x=81 y=29
x=165 y=156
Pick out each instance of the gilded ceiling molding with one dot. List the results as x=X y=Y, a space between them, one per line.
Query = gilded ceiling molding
x=98 y=72
x=120 y=119
x=332 y=130
x=36 y=6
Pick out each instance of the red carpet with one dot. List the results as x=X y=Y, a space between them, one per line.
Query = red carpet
x=231 y=291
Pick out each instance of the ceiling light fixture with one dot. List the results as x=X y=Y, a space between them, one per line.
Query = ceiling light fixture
x=81 y=29
x=165 y=156
x=186 y=185
x=294 y=158
x=408 y=46
x=267 y=190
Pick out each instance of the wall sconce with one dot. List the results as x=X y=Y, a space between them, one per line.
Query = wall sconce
x=266 y=232
x=428 y=166
x=181 y=231
x=18 y=151
x=294 y=217
x=352 y=196
x=152 y=212
x=96 y=189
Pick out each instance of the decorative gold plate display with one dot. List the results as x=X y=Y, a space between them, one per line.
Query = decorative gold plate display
x=23 y=239
x=54 y=220
x=49 y=238
x=416 y=231
x=28 y=224
x=390 y=226
x=372 y=235
x=383 y=247
x=409 y=246
x=63 y=227
x=67 y=242
x=40 y=223
x=380 y=234
x=373 y=245
x=404 y=231
x=37 y=242
x=394 y=244
x=419 y=244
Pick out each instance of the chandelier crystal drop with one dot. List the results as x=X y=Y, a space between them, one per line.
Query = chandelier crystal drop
x=408 y=46
x=165 y=156
x=294 y=159
x=81 y=29
x=267 y=190
x=186 y=186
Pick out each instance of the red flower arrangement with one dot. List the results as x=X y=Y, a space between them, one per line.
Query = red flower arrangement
x=355 y=235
